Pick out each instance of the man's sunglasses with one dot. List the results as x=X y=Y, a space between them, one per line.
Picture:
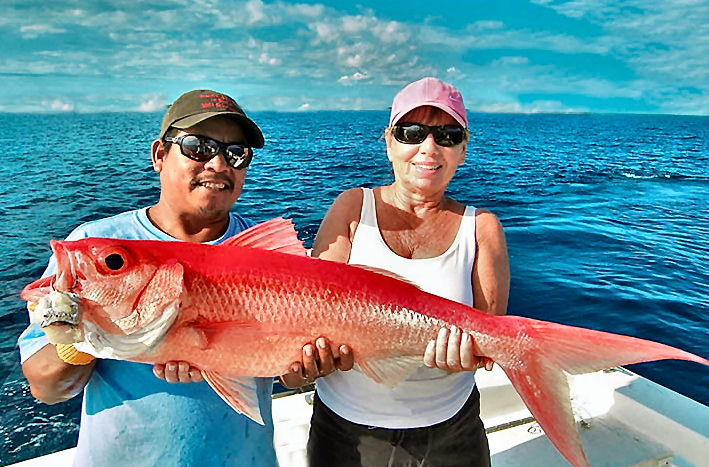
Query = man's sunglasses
x=415 y=133
x=202 y=149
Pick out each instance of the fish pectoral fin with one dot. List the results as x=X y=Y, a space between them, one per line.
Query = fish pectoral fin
x=390 y=371
x=274 y=235
x=197 y=336
x=240 y=393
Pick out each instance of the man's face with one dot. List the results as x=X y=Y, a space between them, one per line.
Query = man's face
x=203 y=189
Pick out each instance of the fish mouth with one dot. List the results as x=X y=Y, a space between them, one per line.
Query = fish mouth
x=65 y=279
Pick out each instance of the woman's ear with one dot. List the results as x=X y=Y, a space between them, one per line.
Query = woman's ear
x=157 y=154
x=463 y=150
x=387 y=138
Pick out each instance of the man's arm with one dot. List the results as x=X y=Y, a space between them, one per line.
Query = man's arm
x=51 y=379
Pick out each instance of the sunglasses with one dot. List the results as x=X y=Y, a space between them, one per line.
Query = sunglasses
x=202 y=149
x=415 y=133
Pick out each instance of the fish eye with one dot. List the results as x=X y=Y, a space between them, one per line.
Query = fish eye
x=113 y=260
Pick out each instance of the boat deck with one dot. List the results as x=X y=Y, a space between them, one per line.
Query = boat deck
x=624 y=420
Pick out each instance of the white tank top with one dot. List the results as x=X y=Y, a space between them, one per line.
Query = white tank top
x=428 y=396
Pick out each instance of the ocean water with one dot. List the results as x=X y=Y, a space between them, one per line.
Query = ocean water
x=606 y=218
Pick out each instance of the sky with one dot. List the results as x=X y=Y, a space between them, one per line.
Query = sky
x=606 y=56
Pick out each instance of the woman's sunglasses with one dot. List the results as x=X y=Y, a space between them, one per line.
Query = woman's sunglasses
x=202 y=149
x=415 y=133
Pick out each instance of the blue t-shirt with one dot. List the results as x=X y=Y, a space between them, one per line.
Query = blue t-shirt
x=130 y=417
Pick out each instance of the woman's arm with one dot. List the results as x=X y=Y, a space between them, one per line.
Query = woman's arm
x=333 y=242
x=334 y=239
x=491 y=272
x=454 y=350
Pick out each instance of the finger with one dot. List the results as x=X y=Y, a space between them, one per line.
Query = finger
x=346 y=360
x=183 y=372
x=171 y=372
x=442 y=348
x=453 y=349
x=195 y=375
x=159 y=370
x=310 y=366
x=429 y=357
x=488 y=363
x=467 y=358
x=325 y=358
x=297 y=369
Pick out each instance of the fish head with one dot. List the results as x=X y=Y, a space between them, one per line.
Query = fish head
x=124 y=286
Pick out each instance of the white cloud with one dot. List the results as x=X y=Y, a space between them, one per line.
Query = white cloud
x=265 y=59
x=661 y=49
x=357 y=76
x=58 y=105
x=510 y=61
x=33 y=31
x=539 y=106
x=255 y=9
x=153 y=103
x=487 y=25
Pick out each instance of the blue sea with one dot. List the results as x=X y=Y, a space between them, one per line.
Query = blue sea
x=606 y=217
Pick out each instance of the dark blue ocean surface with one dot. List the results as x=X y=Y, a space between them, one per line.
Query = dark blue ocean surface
x=606 y=216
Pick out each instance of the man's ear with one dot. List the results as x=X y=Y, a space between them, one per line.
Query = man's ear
x=157 y=154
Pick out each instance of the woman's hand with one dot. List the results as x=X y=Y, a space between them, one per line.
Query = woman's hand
x=177 y=372
x=317 y=361
x=454 y=351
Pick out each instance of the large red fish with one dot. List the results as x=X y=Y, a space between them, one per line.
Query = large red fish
x=247 y=307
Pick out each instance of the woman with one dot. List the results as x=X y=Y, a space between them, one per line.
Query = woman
x=414 y=230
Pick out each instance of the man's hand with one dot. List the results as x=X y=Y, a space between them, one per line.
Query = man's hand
x=318 y=360
x=177 y=372
x=454 y=351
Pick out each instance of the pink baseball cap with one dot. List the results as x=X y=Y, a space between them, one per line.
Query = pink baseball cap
x=429 y=91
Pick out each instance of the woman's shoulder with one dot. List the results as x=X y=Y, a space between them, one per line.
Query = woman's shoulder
x=352 y=195
x=349 y=202
x=487 y=225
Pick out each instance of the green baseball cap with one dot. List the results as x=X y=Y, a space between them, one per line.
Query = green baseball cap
x=196 y=106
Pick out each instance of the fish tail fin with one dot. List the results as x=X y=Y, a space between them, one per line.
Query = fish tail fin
x=537 y=371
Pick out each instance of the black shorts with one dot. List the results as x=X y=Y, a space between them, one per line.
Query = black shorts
x=456 y=442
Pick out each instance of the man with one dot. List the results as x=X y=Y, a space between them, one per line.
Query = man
x=131 y=412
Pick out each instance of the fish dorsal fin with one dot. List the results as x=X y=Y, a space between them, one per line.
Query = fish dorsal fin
x=390 y=371
x=240 y=393
x=274 y=235
x=384 y=272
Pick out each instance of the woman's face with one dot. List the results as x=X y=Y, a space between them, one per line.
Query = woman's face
x=425 y=168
